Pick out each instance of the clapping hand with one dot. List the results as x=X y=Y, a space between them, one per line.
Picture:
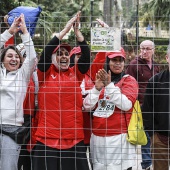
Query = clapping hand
x=98 y=82
x=104 y=76
x=102 y=79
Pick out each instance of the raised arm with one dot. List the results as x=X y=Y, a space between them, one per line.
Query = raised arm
x=7 y=34
x=30 y=61
x=84 y=60
x=45 y=58
x=100 y=58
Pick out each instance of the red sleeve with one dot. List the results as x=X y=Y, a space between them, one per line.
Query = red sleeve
x=97 y=64
x=130 y=88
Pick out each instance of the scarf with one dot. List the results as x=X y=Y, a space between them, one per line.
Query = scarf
x=115 y=78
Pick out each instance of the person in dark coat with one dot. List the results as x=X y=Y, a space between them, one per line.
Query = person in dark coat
x=156 y=118
x=142 y=68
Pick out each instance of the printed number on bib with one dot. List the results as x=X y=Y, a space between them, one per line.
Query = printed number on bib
x=104 y=109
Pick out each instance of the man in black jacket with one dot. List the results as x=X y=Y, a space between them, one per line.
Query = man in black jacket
x=156 y=116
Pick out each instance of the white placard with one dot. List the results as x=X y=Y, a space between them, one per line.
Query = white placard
x=105 y=39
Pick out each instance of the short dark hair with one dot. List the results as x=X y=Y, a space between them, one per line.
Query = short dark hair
x=3 y=53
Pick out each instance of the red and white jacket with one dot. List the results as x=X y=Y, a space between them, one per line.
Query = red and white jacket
x=123 y=95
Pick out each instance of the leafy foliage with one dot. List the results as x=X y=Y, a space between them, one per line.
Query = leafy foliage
x=156 y=10
x=5 y=7
x=72 y=39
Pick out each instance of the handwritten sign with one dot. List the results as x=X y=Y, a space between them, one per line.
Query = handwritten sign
x=105 y=39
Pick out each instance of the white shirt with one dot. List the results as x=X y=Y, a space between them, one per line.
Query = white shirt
x=13 y=85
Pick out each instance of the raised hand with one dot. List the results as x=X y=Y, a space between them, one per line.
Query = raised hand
x=72 y=21
x=98 y=82
x=14 y=28
x=22 y=24
x=104 y=76
x=18 y=25
x=102 y=23
x=77 y=22
x=77 y=32
x=68 y=26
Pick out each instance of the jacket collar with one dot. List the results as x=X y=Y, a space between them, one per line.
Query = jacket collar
x=4 y=70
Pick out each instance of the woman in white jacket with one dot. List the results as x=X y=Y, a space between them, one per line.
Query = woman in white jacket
x=14 y=79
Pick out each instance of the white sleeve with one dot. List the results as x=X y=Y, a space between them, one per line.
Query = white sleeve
x=29 y=64
x=4 y=37
x=116 y=97
x=91 y=99
x=35 y=79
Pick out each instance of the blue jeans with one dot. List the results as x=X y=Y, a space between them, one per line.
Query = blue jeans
x=146 y=153
x=9 y=153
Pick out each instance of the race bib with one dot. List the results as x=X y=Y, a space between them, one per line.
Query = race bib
x=104 y=109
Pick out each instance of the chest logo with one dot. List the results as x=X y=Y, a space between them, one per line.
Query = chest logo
x=53 y=77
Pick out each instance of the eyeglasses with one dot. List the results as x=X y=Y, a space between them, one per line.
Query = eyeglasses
x=146 y=49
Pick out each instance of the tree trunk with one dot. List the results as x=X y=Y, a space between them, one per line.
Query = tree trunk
x=117 y=13
x=157 y=29
x=107 y=12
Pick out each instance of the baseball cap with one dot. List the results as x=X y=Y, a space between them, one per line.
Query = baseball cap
x=75 y=50
x=64 y=45
x=21 y=49
x=116 y=53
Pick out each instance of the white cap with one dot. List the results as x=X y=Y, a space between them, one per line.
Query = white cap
x=21 y=49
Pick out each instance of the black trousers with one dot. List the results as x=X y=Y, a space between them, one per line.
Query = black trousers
x=24 y=159
x=47 y=158
x=129 y=168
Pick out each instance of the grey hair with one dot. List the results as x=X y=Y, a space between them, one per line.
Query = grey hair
x=147 y=41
